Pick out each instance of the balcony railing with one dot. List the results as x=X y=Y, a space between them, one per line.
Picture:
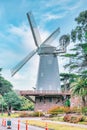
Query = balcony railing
x=43 y=92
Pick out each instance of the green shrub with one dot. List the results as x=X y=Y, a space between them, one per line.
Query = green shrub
x=37 y=114
x=25 y=114
x=76 y=110
x=73 y=118
x=59 y=110
x=30 y=114
x=84 y=110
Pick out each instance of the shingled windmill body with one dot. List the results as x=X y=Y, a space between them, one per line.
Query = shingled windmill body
x=48 y=74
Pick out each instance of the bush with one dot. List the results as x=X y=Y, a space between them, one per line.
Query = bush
x=59 y=110
x=84 y=110
x=30 y=114
x=37 y=114
x=25 y=114
x=73 y=118
x=76 y=110
x=67 y=110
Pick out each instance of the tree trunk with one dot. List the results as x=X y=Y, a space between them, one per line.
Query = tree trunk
x=84 y=101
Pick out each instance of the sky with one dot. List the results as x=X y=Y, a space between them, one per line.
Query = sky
x=16 y=39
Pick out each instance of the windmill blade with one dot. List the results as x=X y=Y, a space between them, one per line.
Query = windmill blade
x=22 y=63
x=34 y=29
x=51 y=37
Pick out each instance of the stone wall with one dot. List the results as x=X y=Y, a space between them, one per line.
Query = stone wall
x=45 y=104
x=76 y=101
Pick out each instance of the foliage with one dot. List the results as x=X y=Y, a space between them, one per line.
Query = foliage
x=67 y=103
x=77 y=110
x=64 y=109
x=3 y=104
x=68 y=76
x=5 y=86
x=72 y=118
x=58 y=110
x=12 y=100
x=25 y=114
x=26 y=104
x=79 y=87
x=84 y=110
x=37 y=114
x=64 y=41
x=78 y=54
x=0 y=70
x=30 y=114
x=67 y=79
x=80 y=32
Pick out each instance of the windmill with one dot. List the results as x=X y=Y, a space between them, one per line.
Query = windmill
x=48 y=73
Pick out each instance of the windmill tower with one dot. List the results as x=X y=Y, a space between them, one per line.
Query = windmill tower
x=48 y=73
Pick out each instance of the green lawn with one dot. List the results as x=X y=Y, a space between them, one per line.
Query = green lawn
x=54 y=126
x=6 y=115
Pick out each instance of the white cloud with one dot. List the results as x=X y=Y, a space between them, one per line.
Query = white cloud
x=24 y=33
x=73 y=7
x=56 y=3
x=63 y=4
x=50 y=16
x=59 y=9
x=26 y=36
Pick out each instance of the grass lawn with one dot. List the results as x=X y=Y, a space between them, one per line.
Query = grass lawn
x=54 y=126
x=60 y=118
x=6 y=115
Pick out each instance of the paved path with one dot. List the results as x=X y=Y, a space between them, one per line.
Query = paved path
x=14 y=125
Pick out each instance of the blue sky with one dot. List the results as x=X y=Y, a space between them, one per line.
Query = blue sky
x=15 y=35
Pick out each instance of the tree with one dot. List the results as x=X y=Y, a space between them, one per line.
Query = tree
x=0 y=70
x=12 y=100
x=67 y=79
x=64 y=41
x=5 y=86
x=3 y=104
x=78 y=57
x=79 y=87
x=80 y=32
x=26 y=104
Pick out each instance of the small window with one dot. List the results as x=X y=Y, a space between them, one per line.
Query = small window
x=40 y=99
x=50 y=99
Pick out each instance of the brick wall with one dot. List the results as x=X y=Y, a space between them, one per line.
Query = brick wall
x=45 y=104
x=76 y=101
